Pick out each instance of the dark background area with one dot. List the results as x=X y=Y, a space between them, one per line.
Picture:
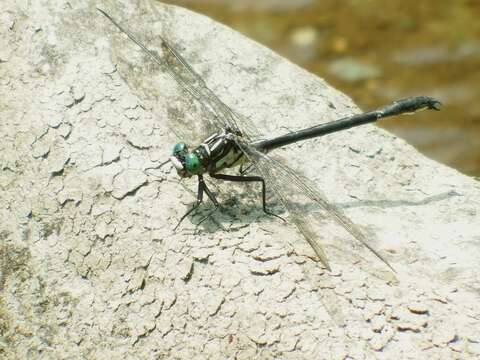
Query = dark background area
x=376 y=51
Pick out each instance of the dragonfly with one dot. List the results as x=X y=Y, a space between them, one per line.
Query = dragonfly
x=234 y=141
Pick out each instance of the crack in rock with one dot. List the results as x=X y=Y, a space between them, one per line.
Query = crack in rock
x=127 y=183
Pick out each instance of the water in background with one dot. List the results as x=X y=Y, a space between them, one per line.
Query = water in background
x=377 y=51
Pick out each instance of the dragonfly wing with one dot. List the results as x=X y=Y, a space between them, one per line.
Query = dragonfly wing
x=146 y=60
x=190 y=81
x=305 y=203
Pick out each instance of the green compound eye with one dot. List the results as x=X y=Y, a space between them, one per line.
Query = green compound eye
x=192 y=163
x=179 y=148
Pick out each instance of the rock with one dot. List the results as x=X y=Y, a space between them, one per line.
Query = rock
x=378 y=342
x=202 y=255
x=372 y=309
x=264 y=268
x=214 y=303
x=285 y=289
x=471 y=335
x=473 y=349
x=406 y=321
x=458 y=346
x=40 y=149
x=185 y=269
x=93 y=266
x=127 y=182
x=443 y=336
x=57 y=163
x=377 y=323
x=415 y=326
x=111 y=153
x=64 y=129
x=375 y=294
x=418 y=308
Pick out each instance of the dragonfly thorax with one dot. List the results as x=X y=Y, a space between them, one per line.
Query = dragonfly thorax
x=217 y=152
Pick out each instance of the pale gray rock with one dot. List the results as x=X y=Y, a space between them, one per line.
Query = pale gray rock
x=90 y=266
x=264 y=268
x=127 y=182
x=418 y=308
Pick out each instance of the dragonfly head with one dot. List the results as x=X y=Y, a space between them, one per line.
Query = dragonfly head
x=186 y=163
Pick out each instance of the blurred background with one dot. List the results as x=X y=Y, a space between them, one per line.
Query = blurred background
x=376 y=51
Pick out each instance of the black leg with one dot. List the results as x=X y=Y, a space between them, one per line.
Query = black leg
x=243 y=171
x=249 y=179
x=211 y=196
x=201 y=187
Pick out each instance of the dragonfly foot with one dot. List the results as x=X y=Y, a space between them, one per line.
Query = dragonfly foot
x=209 y=215
x=275 y=215
x=185 y=215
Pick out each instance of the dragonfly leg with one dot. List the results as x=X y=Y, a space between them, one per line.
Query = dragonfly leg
x=210 y=195
x=242 y=178
x=202 y=187
x=197 y=203
x=243 y=170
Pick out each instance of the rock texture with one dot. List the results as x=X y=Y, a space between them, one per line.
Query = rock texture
x=90 y=266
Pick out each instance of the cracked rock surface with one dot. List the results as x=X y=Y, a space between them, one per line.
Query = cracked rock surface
x=90 y=265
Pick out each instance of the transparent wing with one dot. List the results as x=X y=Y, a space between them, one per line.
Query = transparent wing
x=305 y=203
x=192 y=82
x=144 y=66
